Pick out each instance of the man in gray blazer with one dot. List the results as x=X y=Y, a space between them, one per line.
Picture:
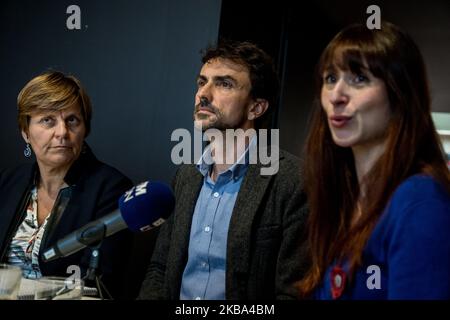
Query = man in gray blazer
x=235 y=232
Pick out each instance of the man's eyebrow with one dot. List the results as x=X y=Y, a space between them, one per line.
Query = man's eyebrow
x=225 y=77
x=218 y=78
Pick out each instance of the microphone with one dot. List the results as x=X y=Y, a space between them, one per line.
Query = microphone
x=141 y=208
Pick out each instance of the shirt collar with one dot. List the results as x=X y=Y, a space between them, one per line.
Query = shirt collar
x=237 y=170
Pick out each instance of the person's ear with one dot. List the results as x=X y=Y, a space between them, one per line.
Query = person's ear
x=25 y=136
x=257 y=109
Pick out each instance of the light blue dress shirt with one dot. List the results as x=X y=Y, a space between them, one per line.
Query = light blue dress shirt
x=204 y=274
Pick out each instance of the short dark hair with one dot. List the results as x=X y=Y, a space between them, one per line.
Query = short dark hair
x=263 y=77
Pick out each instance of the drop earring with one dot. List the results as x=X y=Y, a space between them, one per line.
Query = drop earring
x=27 y=151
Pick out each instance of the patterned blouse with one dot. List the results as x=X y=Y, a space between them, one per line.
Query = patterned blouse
x=24 y=248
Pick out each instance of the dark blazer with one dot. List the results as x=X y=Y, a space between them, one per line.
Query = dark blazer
x=265 y=238
x=94 y=190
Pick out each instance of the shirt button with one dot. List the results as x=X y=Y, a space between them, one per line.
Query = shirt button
x=207 y=229
x=216 y=194
x=198 y=298
x=204 y=264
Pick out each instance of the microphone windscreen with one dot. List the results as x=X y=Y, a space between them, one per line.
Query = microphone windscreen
x=145 y=204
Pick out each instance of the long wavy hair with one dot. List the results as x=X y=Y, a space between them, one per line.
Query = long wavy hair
x=412 y=147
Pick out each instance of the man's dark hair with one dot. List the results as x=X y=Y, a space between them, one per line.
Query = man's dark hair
x=263 y=77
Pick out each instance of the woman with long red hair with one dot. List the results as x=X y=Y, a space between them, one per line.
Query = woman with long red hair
x=376 y=177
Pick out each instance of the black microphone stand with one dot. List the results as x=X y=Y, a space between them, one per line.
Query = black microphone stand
x=93 y=274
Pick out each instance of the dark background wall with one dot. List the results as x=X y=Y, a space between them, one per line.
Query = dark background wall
x=295 y=33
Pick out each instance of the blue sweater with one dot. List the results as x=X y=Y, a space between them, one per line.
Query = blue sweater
x=408 y=254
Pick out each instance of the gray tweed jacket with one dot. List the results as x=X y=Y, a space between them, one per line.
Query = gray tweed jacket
x=265 y=249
